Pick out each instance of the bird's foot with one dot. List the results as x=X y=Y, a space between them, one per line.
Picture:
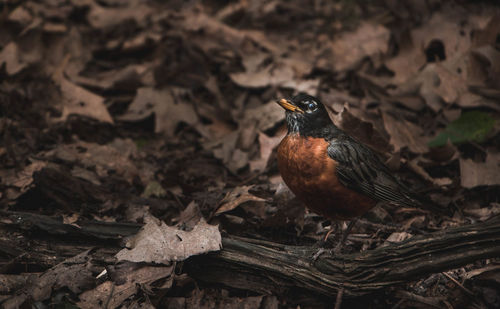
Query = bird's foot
x=322 y=250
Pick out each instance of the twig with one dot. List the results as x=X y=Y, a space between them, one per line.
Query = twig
x=466 y=290
x=338 y=300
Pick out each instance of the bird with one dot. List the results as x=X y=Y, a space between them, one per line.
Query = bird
x=332 y=173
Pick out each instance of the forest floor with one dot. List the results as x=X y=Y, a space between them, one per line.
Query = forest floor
x=117 y=115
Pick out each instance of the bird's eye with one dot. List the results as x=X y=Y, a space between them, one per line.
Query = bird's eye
x=311 y=106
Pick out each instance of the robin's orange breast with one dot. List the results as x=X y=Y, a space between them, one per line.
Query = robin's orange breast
x=311 y=175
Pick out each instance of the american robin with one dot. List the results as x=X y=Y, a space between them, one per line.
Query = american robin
x=330 y=172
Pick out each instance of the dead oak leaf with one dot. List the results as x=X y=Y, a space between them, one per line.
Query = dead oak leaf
x=128 y=77
x=265 y=116
x=405 y=134
x=235 y=198
x=272 y=75
x=287 y=72
x=103 y=17
x=190 y=216
x=104 y=160
x=267 y=145
x=475 y=174
x=159 y=243
x=167 y=109
x=195 y=21
x=79 y=101
x=368 y=40
x=367 y=131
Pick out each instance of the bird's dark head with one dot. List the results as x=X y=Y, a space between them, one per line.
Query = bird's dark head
x=305 y=115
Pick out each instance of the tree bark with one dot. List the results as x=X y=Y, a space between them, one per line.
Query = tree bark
x=269 y=267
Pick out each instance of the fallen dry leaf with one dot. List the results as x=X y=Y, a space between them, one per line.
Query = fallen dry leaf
x=396 y=237
x=22 y=180
x=410 y=59
x=189 y=217
x=226 y=36
x=266 y=116
x=10 y=57
x=483 y=214
x=405 y=134
x=129 y=77
x=235 y=198
x=362 y=130
x=159 y=243
x=203 y=299
x=169 y=111
x=225 y=149
x=473 y=174
x=73 y=274
x=104 y=160
x=132 y=278
x=438 y=181
x=272 y=75
x=79 y=101
x=267 y=145
x=104 y=17
x=368 y=40
x=21 y=16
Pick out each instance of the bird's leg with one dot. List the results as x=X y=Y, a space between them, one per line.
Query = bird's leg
x=330 y=231
x=335 y=226
x=339 y=246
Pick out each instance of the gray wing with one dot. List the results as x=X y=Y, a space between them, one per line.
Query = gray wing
x=361 y=170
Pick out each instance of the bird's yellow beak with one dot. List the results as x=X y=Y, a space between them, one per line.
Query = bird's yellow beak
x=289 y=106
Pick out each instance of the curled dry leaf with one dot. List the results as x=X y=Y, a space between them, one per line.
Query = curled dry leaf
x=159 y=243
x=235 y=198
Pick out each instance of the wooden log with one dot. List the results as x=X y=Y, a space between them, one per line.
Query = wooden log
x=269 y=267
